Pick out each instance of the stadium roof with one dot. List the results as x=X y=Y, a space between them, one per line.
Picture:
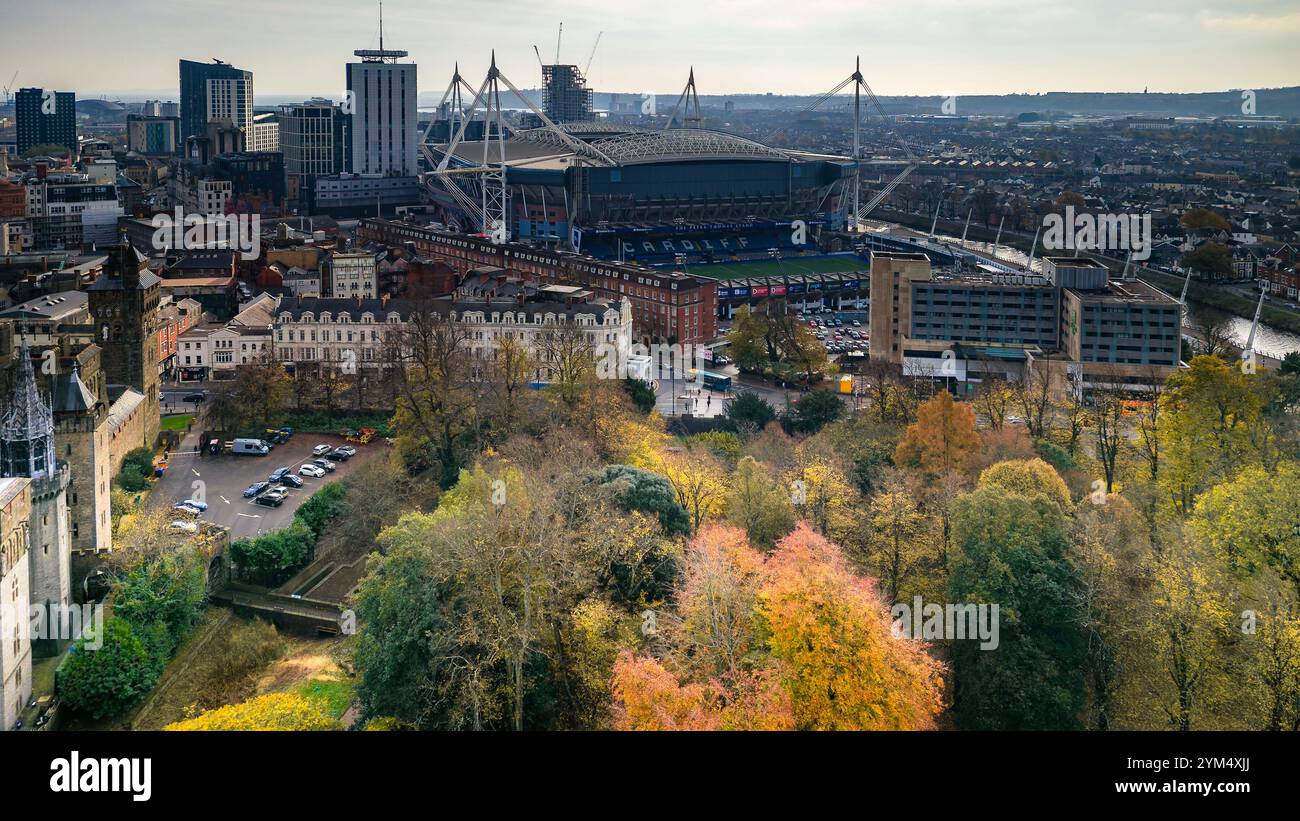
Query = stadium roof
x=630 y=145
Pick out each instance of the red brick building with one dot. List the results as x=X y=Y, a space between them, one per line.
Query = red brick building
x=667 y=306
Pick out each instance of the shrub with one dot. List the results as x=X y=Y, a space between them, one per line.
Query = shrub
x=274 y=711
x=105 y=682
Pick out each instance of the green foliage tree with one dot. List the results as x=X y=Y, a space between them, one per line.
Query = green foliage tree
x=814 y=411
x=105 y=682
x=1011 y=552
x=749 y=413
x=758 y=504
x=1212 y=259
x=273 y=557
x=641 y=392
x=646 y=492
x=167 y=589
x=323 y=506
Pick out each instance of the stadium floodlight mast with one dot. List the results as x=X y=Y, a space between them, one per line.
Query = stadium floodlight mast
x=690 y=97
x=856 y=212
x=492 y=210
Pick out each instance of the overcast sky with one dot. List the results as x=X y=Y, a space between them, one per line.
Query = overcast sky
x=130 y=47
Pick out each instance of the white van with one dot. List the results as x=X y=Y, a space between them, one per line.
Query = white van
x=252 y=447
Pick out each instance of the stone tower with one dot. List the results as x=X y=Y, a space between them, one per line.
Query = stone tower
x=124 y=303
x=27 y=449
x=81 y=432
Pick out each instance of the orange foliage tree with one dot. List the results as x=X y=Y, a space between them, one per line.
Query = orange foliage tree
x=793 y=641
x=942 y=439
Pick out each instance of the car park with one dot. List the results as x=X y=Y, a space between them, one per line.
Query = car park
x=321 y=450
x=314 y=471
x=289 y=480
x=255 y=488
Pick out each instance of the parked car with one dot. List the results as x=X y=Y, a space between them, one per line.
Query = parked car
x=188 y=527
x=290 y=480
x=277 y=475
x=348 y=449
x=273 y=497
x=194 y=398
x=324 y=464
x=321 y=450
x=314 y=471
x=191 y=506
x=339 y=455
x=255 y=488
x=857 y=324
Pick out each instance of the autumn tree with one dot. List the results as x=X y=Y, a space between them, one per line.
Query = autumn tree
x=898 y=541
x=758 y=504
x=943 y=438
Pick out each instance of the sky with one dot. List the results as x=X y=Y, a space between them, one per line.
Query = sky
x=924 y=47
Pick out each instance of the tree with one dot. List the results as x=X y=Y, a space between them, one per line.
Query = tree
x=696 y=479
x=1029 y=478
x=842 y=666
x=995 y=400
x=749 y=413
x=1107 y=415
x=1197 y=218
x=273 y=711
x=646 y=492
x=1033 y=398
x=438 y=393
x=758 y=504
x=1011 y=552
x=105 y=682
x=898 y=540
x=641 y=393
x=943 y=438
x=814 y=410
x=274 y=556
x=168 y=589
x=1212 y=260
x=1245 y=522
x=1209 y=412
x=262 y=389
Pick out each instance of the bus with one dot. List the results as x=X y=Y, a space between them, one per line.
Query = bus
x=719 y=382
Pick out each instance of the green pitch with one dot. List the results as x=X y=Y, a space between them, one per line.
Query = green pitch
x=770 y=267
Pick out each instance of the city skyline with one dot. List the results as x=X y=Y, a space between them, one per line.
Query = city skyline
x=763 y=46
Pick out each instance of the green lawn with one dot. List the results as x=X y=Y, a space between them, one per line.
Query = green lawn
x=766 y=267
x=178 y=422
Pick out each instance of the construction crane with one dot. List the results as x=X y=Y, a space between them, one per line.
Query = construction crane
x=558 y=38
x=540 y=61
x=9 y=97
x=587 y=68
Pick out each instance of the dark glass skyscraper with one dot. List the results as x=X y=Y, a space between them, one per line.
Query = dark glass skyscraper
x=194 y=93
x=46 y=118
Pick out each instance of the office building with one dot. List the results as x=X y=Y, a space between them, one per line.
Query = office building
x=382 y=139
x=46 y=117
x=211 y=91
x=312 y=139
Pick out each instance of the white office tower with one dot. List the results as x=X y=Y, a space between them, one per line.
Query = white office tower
x=382 y=140
x=231 y=99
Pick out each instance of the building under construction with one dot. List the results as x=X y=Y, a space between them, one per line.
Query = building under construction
x=565 y=96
